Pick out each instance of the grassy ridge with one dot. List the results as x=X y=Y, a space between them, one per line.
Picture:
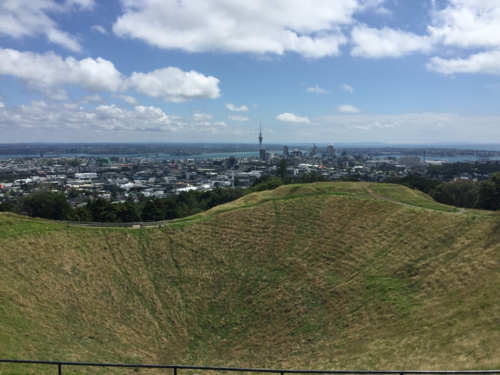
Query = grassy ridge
x=311 y=276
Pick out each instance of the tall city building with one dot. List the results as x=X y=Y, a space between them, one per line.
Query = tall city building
x=285 y=150
x=334 y=152
x=329 y=151
x=260 y=138
x=262 y=152
x=314 y=152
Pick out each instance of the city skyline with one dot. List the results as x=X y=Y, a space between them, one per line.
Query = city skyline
x=356 y=71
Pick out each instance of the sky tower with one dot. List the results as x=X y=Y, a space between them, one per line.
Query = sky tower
x=260 y=137
x=262 y=152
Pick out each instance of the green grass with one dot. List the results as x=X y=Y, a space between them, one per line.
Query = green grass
x=410 y=197
x=326 y=275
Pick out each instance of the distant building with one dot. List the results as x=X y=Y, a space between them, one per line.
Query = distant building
x=230 y=162
x=262 y=152
x=262 y=155
x=285 y=150
x=329 y=151
x=314 y=152
x=410 y=161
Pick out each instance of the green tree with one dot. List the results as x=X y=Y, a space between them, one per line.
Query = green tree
x=128 y=213
x=7 y=206
x=281 y=169
x=489 y=193
x=81 y=214
x=462 y=193
x=261 y=179
x=73 y=193
x=102 y=211
x=161 y=209
x=47 y=205
x=269 y=184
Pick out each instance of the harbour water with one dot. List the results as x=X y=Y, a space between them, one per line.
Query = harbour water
x=339 y=147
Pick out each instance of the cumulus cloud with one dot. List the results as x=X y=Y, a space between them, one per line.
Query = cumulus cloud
x=39 y=115
x=238 y=118
x=231 y=107
x=317 y=90
x=201 y=116
x=129 y=99
x=468 y=23
x=49 y=73
x=459 y=24
x=346 y=87
x=484 y=62
x=311 y=29
x=99 y=29
x=290 y=117
x=174 y=85
x=2 y=105
x=346 y=108
x=386 y=42
x=29 y=18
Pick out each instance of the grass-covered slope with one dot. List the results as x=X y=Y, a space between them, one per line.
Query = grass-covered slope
x=328 y=275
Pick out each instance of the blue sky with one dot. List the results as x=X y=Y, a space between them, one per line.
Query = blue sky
x=212 y=70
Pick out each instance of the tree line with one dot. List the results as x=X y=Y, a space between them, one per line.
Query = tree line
x=461 y=193
x=55 y=206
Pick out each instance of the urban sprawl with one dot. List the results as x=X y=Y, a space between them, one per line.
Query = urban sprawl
x=119 y=179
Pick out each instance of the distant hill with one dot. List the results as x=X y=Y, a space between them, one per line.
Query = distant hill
x=326 y=276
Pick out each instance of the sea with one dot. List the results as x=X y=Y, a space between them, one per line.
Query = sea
x=339 y=147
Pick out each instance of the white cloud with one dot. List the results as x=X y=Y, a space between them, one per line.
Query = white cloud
x=468 y=23
x=201 y=116
x=484 y=62
x=459 y=24
x=174 y=85
x=386 y=42
x=231 y=107
x=317 y=90
x=311 y=29
x=346 y=108
x=290 y=117
x=49 y=73
x=94 y=98
x=238 y=118
x=99 y=29
x=129 y=99
x=346 y=87
x=29 y=18
x=45 y=117
x=2 y=105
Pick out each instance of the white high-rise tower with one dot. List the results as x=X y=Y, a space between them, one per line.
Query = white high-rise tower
x=260 y=138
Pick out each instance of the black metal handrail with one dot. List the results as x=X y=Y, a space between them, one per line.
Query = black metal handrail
x=59 y=365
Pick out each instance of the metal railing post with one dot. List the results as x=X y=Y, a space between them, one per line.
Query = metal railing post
x=59 y=368
x=175 y=370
